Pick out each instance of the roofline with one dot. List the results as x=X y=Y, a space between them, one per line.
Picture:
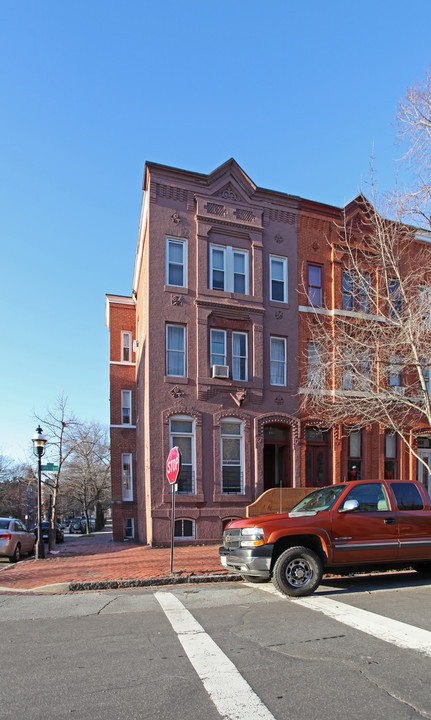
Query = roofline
x=118 y=300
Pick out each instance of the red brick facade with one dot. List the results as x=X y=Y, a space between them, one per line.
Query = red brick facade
x=220 y=271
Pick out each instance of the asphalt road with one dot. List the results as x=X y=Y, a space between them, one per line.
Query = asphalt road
x=358 y=648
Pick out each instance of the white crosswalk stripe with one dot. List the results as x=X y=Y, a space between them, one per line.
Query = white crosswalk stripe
x=395 y=632
x=230 y=693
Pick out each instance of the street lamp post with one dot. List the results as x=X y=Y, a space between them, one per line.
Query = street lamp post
x=39 y=442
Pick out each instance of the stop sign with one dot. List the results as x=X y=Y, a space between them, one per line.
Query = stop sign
x=173 y=465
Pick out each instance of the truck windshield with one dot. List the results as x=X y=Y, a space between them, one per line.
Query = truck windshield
x=323 y=499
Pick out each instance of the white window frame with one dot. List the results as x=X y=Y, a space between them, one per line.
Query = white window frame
x=186 y=537
x=127 y=483
x=230 y=436
x=213 y=356
x=132 y=528
x=240 y=357
x=314 y=366
x=173 y=350
x=283 y=260
x=126 y=404
x=229 y=268
x=177 y=241
x=126 y=345
x=274 y=362
x=396 y=371
x=178 y=433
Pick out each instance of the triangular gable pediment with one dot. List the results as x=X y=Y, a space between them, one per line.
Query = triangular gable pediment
x=230 y=183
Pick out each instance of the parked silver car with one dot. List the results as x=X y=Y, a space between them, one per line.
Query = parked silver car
x=15 y=539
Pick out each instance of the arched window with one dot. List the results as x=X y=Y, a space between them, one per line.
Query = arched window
x=182 y=435
x=232 y=456
x=185 y=529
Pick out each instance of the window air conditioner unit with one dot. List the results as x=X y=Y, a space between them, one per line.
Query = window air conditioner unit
x=399 y=389
x=220 y=371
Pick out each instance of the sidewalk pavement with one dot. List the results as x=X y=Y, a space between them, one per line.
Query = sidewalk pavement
x=95 y=562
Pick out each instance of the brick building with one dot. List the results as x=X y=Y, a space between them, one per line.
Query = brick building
x=205 y=355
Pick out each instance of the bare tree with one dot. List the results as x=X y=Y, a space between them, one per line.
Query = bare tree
x=59 y=426
x=89 y=470
x=369 y=356
x=414 y=130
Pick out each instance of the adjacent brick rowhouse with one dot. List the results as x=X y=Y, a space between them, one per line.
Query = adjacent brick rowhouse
x=211 y=345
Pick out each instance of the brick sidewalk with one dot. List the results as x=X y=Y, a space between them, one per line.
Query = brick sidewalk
x=97 y=558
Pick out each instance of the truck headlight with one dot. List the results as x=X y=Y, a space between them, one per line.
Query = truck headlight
x=253 y=537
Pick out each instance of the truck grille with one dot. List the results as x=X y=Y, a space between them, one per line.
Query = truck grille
x=232 y=538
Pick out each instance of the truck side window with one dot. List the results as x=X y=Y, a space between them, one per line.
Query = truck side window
x=370 y=496
x=407 y=496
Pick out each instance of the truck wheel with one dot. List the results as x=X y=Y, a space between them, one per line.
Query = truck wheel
x=254 y=578
x=297 y=572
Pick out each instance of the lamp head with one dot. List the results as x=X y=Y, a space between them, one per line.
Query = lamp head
x=39 y=442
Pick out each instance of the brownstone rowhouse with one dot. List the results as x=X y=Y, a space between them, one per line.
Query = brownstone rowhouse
x=212 y=353
x=204 y=354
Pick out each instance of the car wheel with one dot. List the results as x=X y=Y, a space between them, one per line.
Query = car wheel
x=16 y=555
x=254 y=579
x=31 y=552
x=297 y=572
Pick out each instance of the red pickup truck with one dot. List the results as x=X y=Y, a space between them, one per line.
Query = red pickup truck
x=353 y=525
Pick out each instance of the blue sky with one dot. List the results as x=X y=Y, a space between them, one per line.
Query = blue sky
x=300 y=94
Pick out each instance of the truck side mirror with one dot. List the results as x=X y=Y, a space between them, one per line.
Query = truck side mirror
x=349 y=506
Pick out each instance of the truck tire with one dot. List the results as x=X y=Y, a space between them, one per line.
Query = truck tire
x=297 y=572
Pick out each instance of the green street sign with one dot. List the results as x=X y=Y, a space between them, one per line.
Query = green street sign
x=50 y=467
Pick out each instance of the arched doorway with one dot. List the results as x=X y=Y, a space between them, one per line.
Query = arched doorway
x=276 y=457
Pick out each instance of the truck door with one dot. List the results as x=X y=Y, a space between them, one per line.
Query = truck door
x=414 y=522
x=368 y=534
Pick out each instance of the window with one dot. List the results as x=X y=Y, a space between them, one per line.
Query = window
x=395 y=300
x=348 y=370
x=126 y=347
x=391 y=455
x=184 y=530
x=229 y=269
x=218 y=347
x=176 y=271
x=278 y=354
x=315 y=288
x=370 y=496
x=407 y=496
x=126 y=407
x=396 y=372
x=425 y=304
x=355 y=456
x=356 y=292
x=127 y=480
x=426 y=373
x=278 y=278
x=181 y=435
x=348 y=294
x=239 y=356
x=128 y=528
x=231 y=432
x=314 y=366
x=176 y=350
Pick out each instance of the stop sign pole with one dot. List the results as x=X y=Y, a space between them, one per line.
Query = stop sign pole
x=173 y=469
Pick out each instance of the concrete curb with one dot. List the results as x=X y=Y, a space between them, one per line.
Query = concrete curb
x=149 y=582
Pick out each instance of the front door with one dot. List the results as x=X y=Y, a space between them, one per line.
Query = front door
x=276 y=457
x=316 y=458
